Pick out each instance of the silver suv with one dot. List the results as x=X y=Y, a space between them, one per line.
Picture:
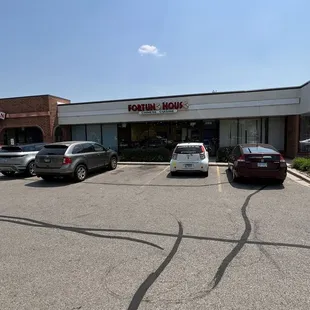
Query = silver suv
x=73 y=159
x=18 y=159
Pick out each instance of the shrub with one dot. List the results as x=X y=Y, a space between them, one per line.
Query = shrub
x=160 y=154
x=223 y=153
x=301 y=163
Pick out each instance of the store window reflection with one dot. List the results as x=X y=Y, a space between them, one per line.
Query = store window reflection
x=304 y=145
x=167 y=134
x=228 y=132
x=249 y=131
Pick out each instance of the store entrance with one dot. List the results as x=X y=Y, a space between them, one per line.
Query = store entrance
x=211 y=136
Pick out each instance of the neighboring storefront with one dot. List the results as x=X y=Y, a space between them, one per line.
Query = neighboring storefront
x=31 y=119
x=275 y=116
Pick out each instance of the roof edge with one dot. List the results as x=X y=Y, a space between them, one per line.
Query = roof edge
x=192 y=95
x=32 y=96
x=305 y=84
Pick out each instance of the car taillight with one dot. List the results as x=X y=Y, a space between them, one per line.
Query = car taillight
x=202 y=154
x=241 y=159
x=67 y=161
x=282 y=161
x=174 y=156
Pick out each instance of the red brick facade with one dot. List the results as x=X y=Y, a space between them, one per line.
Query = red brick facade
x=32 y=111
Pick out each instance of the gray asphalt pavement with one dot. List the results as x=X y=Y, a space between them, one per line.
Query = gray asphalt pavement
x=137 y=238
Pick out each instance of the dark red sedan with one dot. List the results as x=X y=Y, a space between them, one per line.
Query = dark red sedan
x=257 y=161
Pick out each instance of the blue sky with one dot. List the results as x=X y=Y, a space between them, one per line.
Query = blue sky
x=87 y=50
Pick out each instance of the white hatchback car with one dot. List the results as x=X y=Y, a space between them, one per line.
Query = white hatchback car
x=190 y=157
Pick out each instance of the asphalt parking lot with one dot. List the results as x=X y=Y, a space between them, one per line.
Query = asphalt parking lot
x=137 y=238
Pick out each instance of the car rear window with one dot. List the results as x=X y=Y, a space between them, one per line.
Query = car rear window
x=259 y=149
x=11 y=149
x=53 y=150
x=193 y=149
x=28 y=148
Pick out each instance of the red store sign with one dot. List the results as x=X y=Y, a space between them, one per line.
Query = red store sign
x=164 y=106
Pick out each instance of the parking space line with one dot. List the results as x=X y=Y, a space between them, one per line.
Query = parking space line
x=219 y=179
x=153 y=178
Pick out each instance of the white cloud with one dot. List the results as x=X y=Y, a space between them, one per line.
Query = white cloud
x=150 y=50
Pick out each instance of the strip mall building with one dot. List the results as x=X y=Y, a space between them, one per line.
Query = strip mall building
x=278 y=116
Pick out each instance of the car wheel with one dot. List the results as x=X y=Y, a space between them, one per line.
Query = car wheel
x=234 y=177
x=113 y=163
x=206 y=173
x=47 y=178
x=30 y=169
x=8 y=173
x=80 y=173
x=173 y=173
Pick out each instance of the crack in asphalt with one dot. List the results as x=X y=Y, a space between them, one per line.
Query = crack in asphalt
x=18 y=220
x=263 y=250
x=234 y=252
x=35 y=223
x=140 y=293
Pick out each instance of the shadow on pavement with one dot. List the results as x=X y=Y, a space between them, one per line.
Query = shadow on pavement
x=186 y=175
x=57 y=182
x=39 y=183
x=253 y=183
x=19 y=176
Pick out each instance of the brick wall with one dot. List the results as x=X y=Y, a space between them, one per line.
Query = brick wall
x=54 y=112
x=44 y=103
x=292 y=136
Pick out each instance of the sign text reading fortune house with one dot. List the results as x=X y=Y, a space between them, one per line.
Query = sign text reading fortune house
x=172 y=105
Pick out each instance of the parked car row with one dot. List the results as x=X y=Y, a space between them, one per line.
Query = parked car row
x=246 y=161
x=75 y=159
x=71 y=159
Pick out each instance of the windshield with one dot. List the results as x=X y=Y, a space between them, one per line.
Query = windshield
x=192 y=149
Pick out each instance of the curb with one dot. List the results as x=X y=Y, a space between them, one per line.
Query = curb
x=298 y=175
x=131 y=163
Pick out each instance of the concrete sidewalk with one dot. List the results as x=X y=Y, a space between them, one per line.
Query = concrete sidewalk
x=302 y=175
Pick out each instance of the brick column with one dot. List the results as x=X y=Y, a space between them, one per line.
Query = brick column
x=292 y=136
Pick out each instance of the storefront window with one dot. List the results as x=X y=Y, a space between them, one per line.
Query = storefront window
x=22 y=135
x=78 y=133
x=304 y=134
x=228 y=132
x=249 y=130
x=236 y=131
x=168 y=134
x=93 y=132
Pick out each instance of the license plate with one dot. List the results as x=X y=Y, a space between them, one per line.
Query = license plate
x=261 y=165
x=47 y=160
x=188 y=165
